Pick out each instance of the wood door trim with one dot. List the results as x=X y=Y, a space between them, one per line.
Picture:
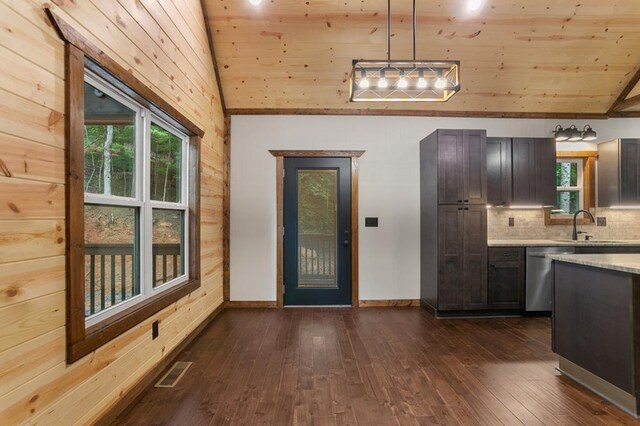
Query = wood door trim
x=315 y=153
x=280 y=155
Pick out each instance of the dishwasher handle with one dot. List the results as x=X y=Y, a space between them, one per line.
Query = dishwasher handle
x=544 y=255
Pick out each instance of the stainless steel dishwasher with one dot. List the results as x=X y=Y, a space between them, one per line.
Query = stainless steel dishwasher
x=539 y=279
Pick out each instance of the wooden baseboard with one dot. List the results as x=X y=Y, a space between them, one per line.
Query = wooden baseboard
x=251 y=304
x=389 y=303
x=134 y=394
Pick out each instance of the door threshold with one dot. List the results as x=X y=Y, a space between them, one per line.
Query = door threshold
x=317 y=306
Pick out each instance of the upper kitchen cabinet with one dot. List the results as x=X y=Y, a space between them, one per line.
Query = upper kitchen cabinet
x=619 y=173
x=521 y=171
x=462 y=166
x=499 y=186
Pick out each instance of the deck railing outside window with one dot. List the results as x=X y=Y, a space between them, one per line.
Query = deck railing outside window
x=110 y=275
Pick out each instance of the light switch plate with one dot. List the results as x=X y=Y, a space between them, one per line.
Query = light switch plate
x=512 y=222
x=601 y=221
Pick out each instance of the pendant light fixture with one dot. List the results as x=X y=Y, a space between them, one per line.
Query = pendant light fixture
x=573 y=134
x=410 y=80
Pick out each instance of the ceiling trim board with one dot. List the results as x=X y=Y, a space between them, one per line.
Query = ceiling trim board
x=625 y=92
x=205 y=13
x=415 y=113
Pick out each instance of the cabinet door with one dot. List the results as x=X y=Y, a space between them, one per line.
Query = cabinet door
x=506 y=285
x=474 y=155
x=524 y=173
x=450 y=179
x=450 y=258
x=474 y=268
x=545 y=169
x=630 y=171
x=499 y=191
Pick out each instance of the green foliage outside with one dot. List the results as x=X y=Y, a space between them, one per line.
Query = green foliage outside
x=165 y=161
x=317 y=192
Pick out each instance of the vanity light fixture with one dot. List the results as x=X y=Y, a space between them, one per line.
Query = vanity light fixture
x=410 y=80
x=255 y=2
x=573 y=134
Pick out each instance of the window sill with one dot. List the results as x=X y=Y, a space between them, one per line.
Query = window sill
x=550 y=219
x=110 y=328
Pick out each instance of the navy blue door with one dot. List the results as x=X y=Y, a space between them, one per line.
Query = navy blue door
x=317 y=237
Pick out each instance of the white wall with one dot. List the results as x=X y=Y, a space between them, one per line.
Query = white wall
x=389 y=189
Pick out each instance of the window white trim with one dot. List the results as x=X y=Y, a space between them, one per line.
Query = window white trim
x=141 y=200
x=579 y=188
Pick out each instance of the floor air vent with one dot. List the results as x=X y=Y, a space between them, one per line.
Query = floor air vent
x=172 y=377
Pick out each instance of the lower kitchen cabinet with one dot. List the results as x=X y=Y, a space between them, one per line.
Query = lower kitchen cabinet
x=506 y=278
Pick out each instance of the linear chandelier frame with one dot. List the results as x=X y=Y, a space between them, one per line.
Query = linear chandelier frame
x=409 y=80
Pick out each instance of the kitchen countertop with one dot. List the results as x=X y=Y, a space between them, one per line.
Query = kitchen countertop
x=560 y=243
x=623 y=262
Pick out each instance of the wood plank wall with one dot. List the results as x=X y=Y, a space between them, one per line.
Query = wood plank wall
x=164 y=44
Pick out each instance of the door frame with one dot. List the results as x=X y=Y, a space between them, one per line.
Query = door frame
x=280 y=156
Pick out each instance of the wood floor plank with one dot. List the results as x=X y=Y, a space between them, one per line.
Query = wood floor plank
x=377 y=366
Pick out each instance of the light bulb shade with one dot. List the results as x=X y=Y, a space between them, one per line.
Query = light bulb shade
x=588 y=134
x=575 y=135
x=255 y=2
x=560 y=134
x=408 y=81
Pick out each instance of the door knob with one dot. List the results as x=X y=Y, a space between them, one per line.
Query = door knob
x=346 y=242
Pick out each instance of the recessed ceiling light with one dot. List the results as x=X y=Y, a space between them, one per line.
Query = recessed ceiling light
x=255 y=2
x=474 y=4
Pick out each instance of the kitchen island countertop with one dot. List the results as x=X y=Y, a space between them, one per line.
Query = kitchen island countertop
x=623 y=262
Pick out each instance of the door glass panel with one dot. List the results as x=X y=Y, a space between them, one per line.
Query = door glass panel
x=317 y=228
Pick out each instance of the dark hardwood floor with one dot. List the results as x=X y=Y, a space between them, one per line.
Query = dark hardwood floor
x=375 y=366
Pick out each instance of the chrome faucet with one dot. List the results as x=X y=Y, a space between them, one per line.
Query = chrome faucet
x=574 y=236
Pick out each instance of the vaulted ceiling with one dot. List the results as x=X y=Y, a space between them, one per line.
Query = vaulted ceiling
x=517 y=56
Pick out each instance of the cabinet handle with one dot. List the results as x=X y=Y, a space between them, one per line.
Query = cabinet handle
x=466 y=201
x=492 y=265
x=459 y=201
x=466 y=208
x=459 y=208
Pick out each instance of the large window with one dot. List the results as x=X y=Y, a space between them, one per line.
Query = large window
x=135 y=215
x=132 y=198
x=575 y=187
x=569 y=184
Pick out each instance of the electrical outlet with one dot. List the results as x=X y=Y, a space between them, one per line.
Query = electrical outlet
x=512 y=222
x=154 y=330
x=601 y=221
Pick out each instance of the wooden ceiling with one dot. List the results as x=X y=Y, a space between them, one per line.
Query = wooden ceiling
x=517 y=56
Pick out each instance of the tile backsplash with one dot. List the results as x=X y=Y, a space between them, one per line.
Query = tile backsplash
x=529 y=224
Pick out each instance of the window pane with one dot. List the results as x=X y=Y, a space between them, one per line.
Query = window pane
x=568 y=202
x=166 y=165
x=317 y=228
x=111 y=258
x=109 y=145
x=168 y=245
x=566 y=173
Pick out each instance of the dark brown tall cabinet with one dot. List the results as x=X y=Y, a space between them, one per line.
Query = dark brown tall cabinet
x=453 y=198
